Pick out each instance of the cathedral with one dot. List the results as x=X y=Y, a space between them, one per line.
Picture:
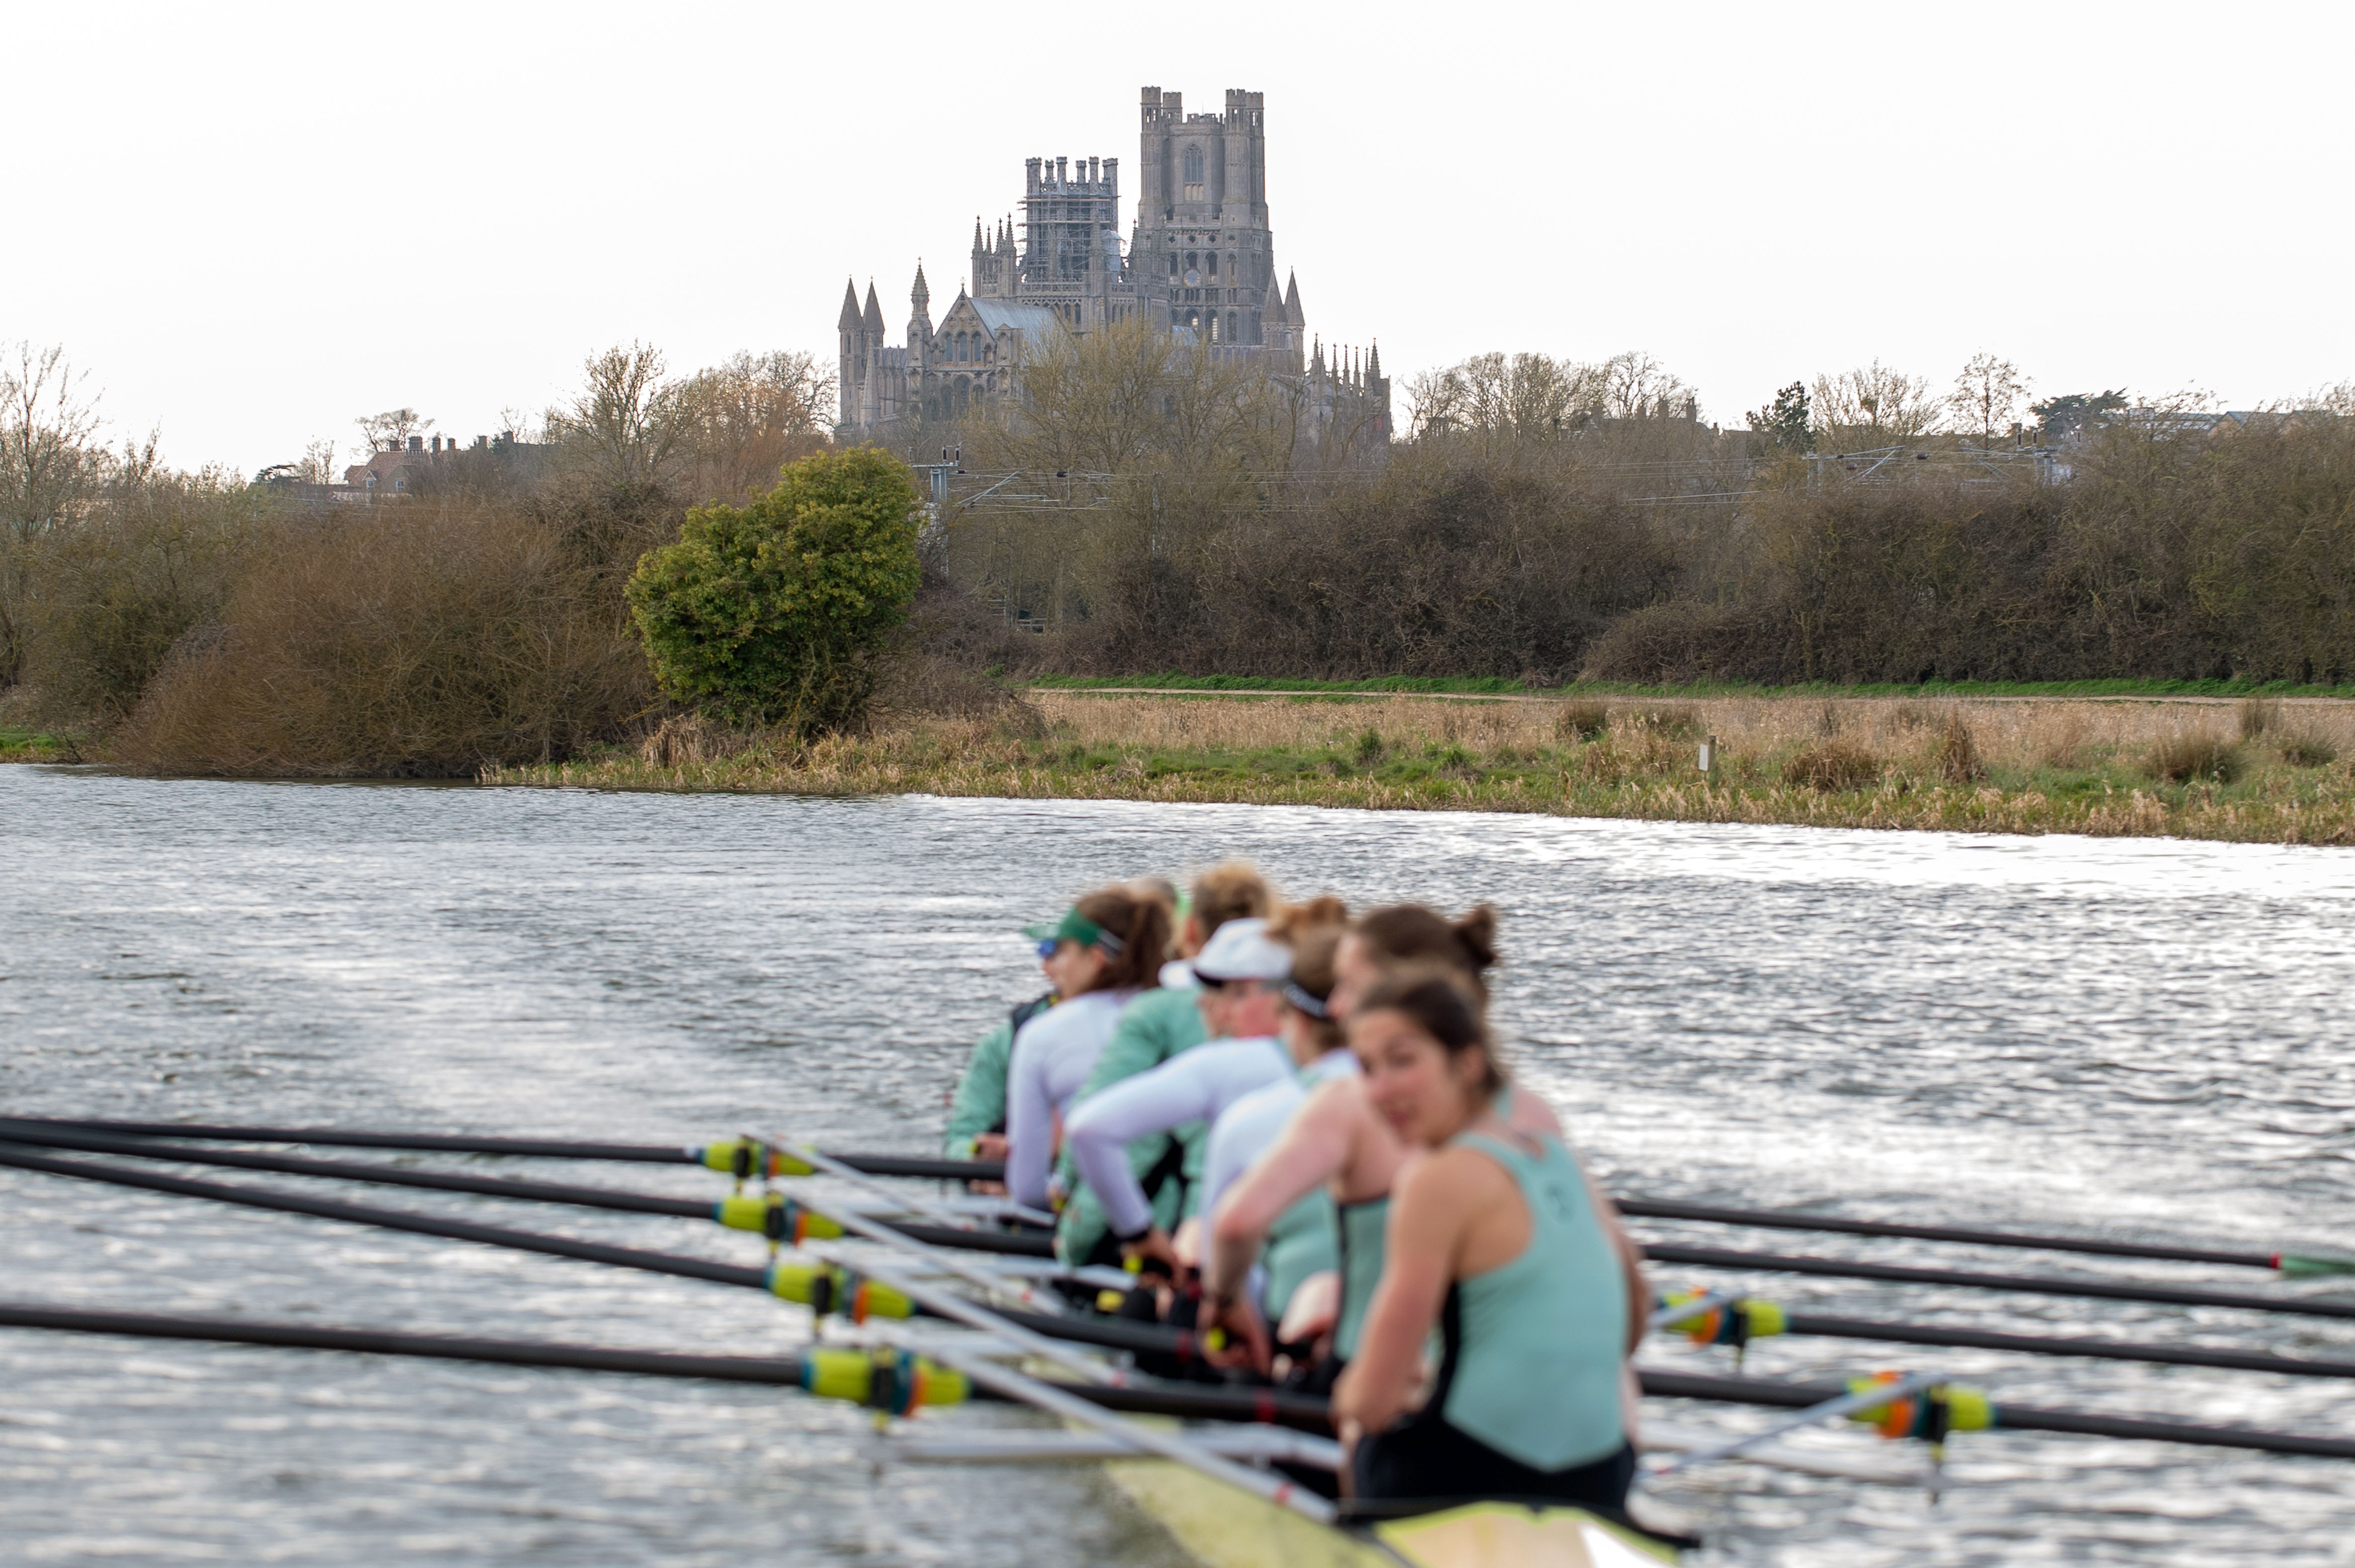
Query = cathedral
x=1199 y=264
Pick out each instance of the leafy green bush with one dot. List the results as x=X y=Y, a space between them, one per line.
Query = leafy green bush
x=774 y=613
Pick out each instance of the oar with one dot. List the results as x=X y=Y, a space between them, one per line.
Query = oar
x=743 y=1213
x=1857 y=1404
x=821 y=1289
x=1748 y=1320
x=715 y=1157
x=1661 y=1384
x=1059 y=1401
x=2296 y=1264
x=1188 y=1402
x=2038 y=1285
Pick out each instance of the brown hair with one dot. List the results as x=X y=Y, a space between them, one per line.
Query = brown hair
x=1413 y=934
x=1439 y=1002
x=1142 y=923
x=1313 y=931
x=1231 y=890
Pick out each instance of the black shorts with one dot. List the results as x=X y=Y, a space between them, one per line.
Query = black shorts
x=1425 y=1459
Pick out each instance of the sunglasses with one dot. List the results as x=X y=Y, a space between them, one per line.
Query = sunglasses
x=1047 y=946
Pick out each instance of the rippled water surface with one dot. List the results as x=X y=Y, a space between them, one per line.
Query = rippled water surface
x=2151 y=1039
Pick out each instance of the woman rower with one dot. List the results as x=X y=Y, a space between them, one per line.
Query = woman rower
x=1159 y=1024
x=1495 y=1241
x=1334 y=1140
x=1300 y=1242
x=1107 y=949
x=1241 y=970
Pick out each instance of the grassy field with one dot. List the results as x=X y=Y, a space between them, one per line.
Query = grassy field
x=2260 y=770
x=1499 y=685
x=30 y=746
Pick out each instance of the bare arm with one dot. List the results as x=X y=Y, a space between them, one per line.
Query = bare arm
x=1314 y=1145
x=1447 y=1212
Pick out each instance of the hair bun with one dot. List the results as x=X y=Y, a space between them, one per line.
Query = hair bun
x=1476 y=928
x=1323 y=910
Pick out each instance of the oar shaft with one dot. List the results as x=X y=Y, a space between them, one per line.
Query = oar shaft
x=1201 y=1403
x=541 y=1148
x=2102 y=1290
x=1651 y=1209
x=1007 y=1242
x=2052 y=1345
x=1833 y=1409
x=779 y=1370
x=1661 y=1384
x=1111 y=1333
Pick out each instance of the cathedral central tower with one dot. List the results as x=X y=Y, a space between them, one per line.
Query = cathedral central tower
x=1202 y=248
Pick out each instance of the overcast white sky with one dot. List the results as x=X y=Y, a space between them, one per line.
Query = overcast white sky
x=254 y=223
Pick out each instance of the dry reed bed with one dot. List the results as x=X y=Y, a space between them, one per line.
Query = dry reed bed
x=2276 y=773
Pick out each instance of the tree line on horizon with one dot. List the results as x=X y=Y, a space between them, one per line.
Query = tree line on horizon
x=1538 y=518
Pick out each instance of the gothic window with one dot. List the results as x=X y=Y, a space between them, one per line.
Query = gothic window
x=1214 y=327
x=1213 y=259
x=1173 y=263
x=1231 y=263
x=1231 y=327
x=1193 y=165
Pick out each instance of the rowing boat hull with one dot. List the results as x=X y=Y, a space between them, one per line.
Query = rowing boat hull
x=1224 y=1527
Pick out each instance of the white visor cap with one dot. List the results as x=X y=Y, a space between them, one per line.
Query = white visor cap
x=1241 y=950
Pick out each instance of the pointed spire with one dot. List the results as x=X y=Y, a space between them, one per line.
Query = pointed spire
x=874 y=312
x=921 y=296
x=849 y=321
x=1292 y=299
x=978 y=246
x=1316 y=360
x=1374 y=361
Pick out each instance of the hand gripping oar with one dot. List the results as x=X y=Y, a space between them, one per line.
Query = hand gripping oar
x=715 y=1157
x=1879 y=1397
x=2038 y=1285
x=2293 y=1264
x=740 y=1212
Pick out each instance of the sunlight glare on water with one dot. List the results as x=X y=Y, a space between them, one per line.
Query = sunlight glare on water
x=2146 y=1039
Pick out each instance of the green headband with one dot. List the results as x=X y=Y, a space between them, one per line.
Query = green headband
x=1077 y=927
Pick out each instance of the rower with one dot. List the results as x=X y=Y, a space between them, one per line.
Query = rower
x=1336 y=1141
x=1239 y=971
x=1495 y=1239
x=977 y=1124
x=1159 y=1024
x=1105 y=950
x=1300 y=1249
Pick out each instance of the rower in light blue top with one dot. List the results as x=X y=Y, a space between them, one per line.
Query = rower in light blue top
x=1495 y=1239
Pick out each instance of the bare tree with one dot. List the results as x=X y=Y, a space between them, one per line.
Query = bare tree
x=752 y=415
x=1987 y=395
x=318 y=465
x=1873 y=407
x=391 y=428
x=50 y=465
x=630 y=424
x=1634 y=385
x=47 y=457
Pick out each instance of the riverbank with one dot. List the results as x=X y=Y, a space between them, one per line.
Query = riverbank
x=31 y=746
x=2260 y=770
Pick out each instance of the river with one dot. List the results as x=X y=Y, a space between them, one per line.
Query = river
x=2151 y=1038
